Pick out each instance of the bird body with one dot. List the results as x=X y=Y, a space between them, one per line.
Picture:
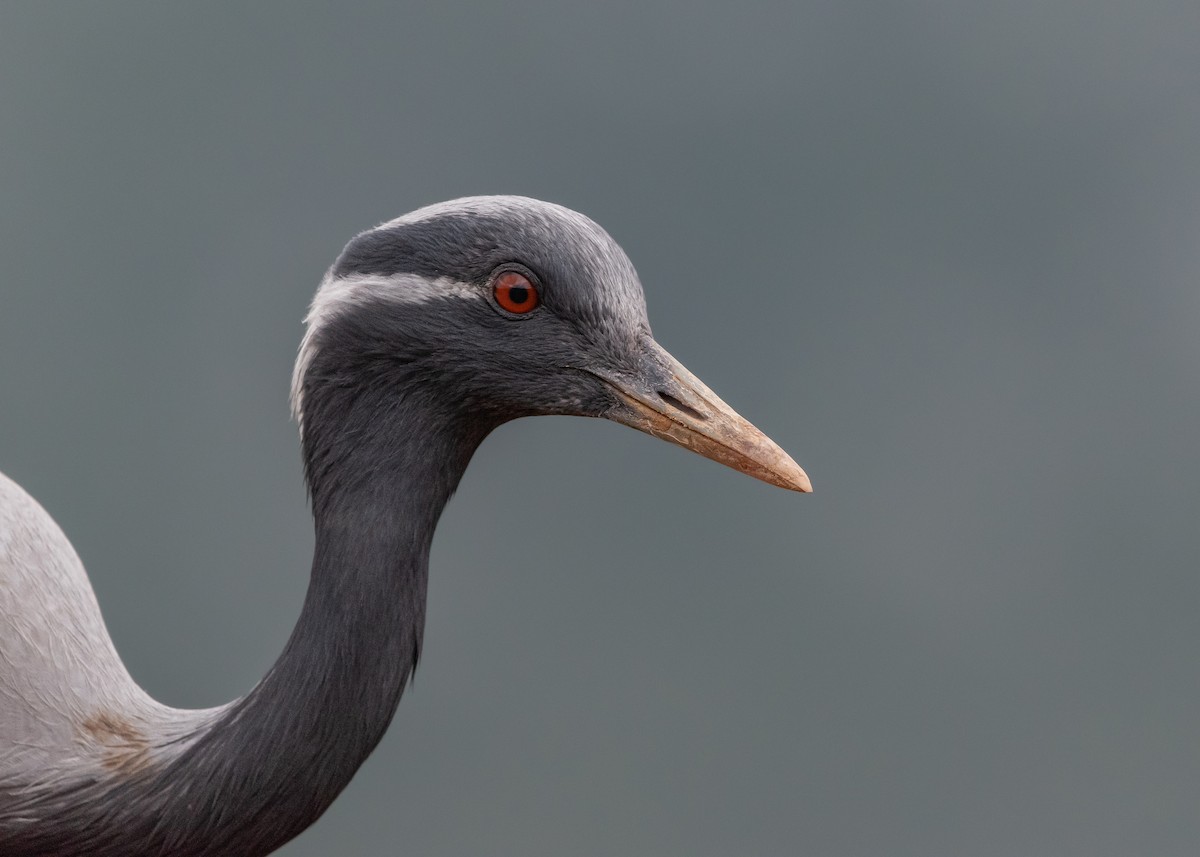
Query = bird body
x=427 y=333
x=67 y=703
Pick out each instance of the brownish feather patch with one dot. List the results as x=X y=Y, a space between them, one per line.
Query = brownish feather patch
x=124 y=749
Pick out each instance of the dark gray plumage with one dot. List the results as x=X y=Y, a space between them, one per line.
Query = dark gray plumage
x=408 y=363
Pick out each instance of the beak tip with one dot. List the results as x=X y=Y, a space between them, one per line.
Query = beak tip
x=798 y=481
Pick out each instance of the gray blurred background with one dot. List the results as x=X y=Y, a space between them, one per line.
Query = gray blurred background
x=947 y=254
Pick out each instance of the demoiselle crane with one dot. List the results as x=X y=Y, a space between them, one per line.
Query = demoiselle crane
x=428 y=332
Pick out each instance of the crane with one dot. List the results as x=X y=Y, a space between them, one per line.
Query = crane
x=427 y=332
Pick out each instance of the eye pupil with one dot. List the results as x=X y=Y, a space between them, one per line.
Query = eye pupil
x=515 y=293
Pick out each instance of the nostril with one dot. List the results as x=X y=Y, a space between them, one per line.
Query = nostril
x=680 y=406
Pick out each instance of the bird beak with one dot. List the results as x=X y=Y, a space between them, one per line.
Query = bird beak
x=666 y=400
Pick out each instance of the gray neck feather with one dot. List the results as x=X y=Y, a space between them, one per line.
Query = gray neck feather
x=276 y=759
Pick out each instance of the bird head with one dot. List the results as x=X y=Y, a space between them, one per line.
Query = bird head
x=500 y=307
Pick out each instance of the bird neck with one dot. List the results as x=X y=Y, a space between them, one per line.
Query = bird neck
x=381 y=461
x=271 y=763
x=281 y=755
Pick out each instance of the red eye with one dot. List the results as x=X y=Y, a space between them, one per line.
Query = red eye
x=515 y=293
